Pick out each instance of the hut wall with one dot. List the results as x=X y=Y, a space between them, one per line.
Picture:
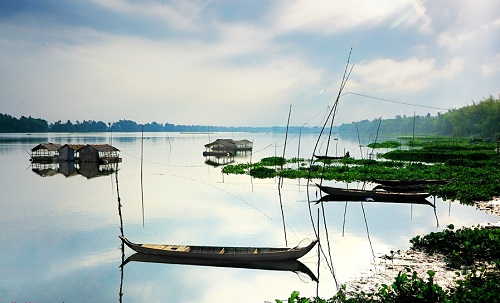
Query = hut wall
x=66 y=153
x=88 y=154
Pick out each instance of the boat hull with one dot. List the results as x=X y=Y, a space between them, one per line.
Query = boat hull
x=371 y=195
x=222 y=253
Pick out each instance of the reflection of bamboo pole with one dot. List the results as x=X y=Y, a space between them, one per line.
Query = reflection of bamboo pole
x=119 y=201
x=142 y=164
x=319 y=257
x=122 y=246
x=368 y=232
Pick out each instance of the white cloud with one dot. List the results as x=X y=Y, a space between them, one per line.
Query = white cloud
x=178 y=14
x=332 y=17
x=389 y=75
x=187 y=62
x=491 y=67
x=454 y=40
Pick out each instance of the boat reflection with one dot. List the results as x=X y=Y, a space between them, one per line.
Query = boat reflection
x=293 y=265
x=402 y=200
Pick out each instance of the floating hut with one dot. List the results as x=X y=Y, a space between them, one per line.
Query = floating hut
x=51 y=152
x=98 y=153
x=228 y=147
x=68 y=152
x=45 y=152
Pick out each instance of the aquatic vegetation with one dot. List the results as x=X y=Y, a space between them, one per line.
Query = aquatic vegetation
x=475 y=172
x=466 y=246
x=462 y=247
x=386 y=144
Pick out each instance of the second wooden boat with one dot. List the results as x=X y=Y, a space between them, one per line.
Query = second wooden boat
x=370 y=195
x=222 y=252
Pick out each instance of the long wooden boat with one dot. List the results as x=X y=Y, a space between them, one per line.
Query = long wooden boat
x=222 y=252
x=412 y=182
x=288 y=265
x=370 y=195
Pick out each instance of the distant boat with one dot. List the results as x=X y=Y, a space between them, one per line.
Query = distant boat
x=327 y=157
x=222 y=252
x=289 y=265
x=412 y=182
x=370 y=195
x=321 y=157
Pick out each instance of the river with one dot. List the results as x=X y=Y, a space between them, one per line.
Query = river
x=60 y=228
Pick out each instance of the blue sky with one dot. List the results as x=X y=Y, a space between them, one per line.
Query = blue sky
x=244 y=62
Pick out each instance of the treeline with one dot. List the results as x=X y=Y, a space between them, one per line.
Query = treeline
x=9 y=124
x=480 y=119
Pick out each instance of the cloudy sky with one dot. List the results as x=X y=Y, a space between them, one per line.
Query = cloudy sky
x=244 y=62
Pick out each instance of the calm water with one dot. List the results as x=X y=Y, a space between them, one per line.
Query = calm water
x=60 y=233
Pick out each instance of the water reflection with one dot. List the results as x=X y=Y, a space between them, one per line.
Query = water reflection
x=73 y=243
x=69 y=169
x=399 y=200
x=292 y=265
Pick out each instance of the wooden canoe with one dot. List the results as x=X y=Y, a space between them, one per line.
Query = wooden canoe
x=288 y=265
x=370 y=195
x=221 y=252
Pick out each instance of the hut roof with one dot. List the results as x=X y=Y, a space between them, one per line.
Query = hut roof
x=225 y=142
x=101 y=147
x=74 y=146
x=244 y=141
x=48 y=146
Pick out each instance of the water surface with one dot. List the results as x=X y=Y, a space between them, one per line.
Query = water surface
x=60 y=232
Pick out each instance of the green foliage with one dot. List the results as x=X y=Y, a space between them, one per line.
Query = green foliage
x=476 y=284
x=9 y=124
x=272 y=161
x=462 y=247
x=263 y=172
x=295 y=298
x=481 y=119
x=237 y=169
x=475 y=174
x=386 y=144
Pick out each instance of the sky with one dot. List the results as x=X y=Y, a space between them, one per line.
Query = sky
x=245 y=62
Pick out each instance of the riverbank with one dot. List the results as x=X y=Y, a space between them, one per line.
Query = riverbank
x=389 y=265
